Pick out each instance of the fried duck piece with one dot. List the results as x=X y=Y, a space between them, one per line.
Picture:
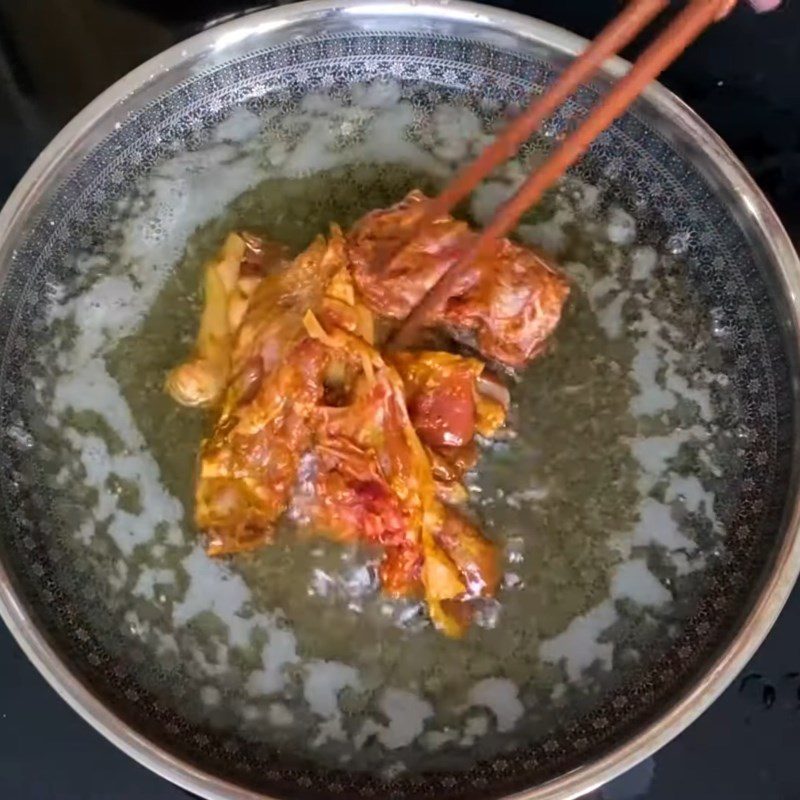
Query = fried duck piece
x=248 y=466
x=392 y=265
x=304 y=378
x=273 y=320
x=352 y=496
x=450 y=399
x=509 y=301
x=375 y=479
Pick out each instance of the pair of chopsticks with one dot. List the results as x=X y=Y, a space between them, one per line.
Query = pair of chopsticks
x=679 y=34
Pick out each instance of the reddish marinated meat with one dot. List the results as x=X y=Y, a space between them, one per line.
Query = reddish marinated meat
x=446 y=399
x=445 y=416
x=510 y=299
x=371 y=469
x=401 y=570
x=352 y=497
x=513 y=307
x=448 y=404
x=248 y=466
x=475 y=556
x=391 y=274
x=273 y=320
x=286 y=356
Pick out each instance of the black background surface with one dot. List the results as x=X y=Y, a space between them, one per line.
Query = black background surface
x=743 y=77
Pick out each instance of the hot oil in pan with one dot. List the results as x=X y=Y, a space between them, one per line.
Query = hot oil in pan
x=601 y=498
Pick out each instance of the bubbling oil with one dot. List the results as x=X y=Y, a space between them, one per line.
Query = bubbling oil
x=294 y=645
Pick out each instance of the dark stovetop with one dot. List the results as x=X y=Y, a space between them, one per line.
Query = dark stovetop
x=55 y=55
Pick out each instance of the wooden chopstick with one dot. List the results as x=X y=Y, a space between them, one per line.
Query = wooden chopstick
x=619 y=33
x=686 y=27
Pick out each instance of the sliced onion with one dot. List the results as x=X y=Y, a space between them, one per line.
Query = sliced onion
x=255 y=244
x=492 y=389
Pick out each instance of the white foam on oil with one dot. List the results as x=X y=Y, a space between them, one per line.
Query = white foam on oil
x=658 y=526
x=280 y=715
x=149 y=579
x=606 y=298
x=521 y=498
x=487 y=197
x=458 y=133
x=656 y=353
x=279 y=653
x=128 y=530
x=118 y=574
x=580 y=646
x=586 y=642
x=610 y=317
x=406 y=714
x=214 y=589
x=654 y=453
x=652 y=398
x=621 y=226
x=643 y=263
x=210 y=695
x=380 y=130
x=181 y=194
x=580 y=275
x=660 y=387
x=501 y=697
x=478 y=726
x=549 y=234
x=632 y=580
x=324 y=680
x=378 y=94
x=692 y=494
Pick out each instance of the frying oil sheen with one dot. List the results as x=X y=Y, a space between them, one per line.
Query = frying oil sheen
x=601 y=495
